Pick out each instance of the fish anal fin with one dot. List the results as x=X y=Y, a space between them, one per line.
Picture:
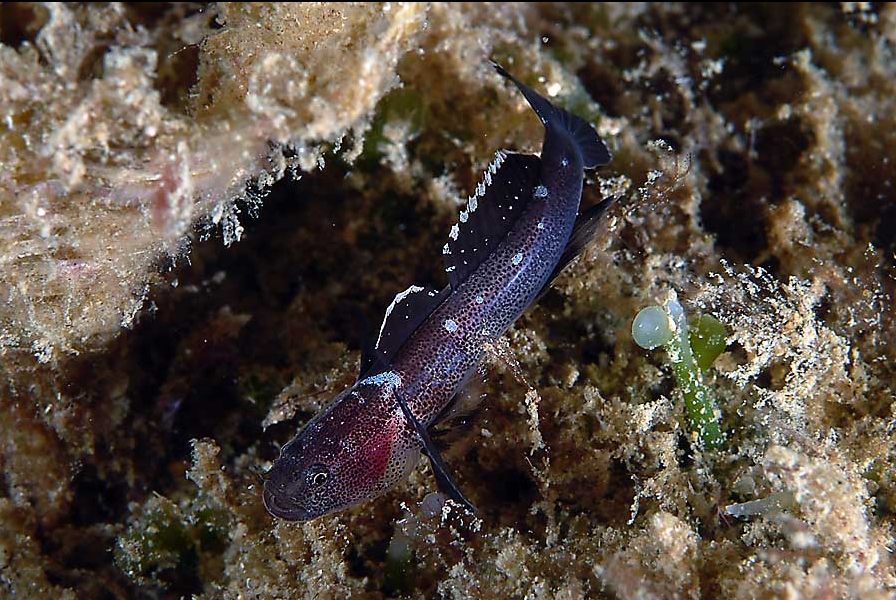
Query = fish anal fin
x=583 y=232
x=443 y=479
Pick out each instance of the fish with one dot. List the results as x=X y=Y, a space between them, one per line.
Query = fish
x=518 y=231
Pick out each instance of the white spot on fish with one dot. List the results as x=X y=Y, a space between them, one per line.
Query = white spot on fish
x=390 y=378
x=455 y=231
x=479 y=299
x=517 y=258
x=540 y=225
x=449 y=269
x=450 y=326
x=446 y=249
x=564 y=162
x=540 y=192
x=473 y=204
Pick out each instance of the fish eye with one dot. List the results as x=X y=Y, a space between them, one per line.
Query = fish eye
x=317 y=475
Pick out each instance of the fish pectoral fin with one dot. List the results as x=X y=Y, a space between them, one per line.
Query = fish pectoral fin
x=443 y=478
x=465 y=401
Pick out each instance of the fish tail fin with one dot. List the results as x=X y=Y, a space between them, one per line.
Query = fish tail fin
x=594 y=151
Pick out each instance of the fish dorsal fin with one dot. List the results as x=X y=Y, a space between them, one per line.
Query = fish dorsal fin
x=583 y=233
x=369 y=359
x=500 y=199
x=368 y=344
x=368 y=356
x=403 y=316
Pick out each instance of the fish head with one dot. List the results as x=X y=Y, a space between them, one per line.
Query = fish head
x=354 y=451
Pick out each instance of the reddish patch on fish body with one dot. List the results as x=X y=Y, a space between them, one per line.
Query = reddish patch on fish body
x=372 y=449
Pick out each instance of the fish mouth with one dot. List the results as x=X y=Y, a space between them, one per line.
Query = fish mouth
x=283 y=508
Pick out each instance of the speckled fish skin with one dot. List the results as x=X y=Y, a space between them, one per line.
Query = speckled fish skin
x=362 y=445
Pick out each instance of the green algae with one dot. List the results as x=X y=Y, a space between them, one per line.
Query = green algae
x=707 y=336
x=692 y=348
x=164 y=542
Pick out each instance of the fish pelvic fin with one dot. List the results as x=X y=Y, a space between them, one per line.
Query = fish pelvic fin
x=440 y=470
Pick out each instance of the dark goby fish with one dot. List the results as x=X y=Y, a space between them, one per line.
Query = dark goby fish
x=518 y=231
